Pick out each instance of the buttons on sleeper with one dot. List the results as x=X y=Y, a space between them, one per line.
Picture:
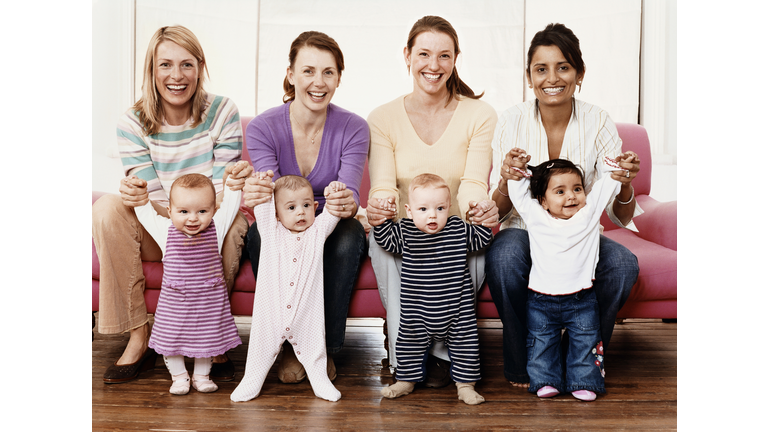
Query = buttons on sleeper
x=289 y=306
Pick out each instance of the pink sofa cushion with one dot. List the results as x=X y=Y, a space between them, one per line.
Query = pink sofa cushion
x=658 y=267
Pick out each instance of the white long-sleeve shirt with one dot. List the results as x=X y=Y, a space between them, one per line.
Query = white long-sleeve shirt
x=564 y=252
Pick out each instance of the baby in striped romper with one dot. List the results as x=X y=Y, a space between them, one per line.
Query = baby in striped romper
x=437 y=301
x=193 y=316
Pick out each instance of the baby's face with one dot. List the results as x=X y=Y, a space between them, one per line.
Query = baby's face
x=192 y=210
x=565 y=195
x=429 y=207
x=296 y=208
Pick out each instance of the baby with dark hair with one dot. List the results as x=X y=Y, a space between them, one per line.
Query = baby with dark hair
x=563 y=223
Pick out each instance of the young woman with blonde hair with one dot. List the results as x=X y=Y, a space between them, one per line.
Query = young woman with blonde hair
x=175 y=128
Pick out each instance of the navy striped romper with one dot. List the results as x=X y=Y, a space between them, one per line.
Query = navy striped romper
x=437 y=301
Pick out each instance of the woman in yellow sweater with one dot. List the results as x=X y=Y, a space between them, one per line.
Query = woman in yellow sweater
x=441 y=127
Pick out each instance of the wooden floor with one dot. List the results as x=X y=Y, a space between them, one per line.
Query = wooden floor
x=641 y=383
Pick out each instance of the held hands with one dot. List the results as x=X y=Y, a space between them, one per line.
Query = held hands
x=258 y=188
x=236 y=175
x=484 y=213
x=133 y=191
x=515 y=160
x=340 y=200
x=380 y=209
x=630 y=164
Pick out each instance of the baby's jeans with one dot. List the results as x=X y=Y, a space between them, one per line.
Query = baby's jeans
x=583 y=367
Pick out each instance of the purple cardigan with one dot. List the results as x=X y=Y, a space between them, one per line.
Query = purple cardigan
x=343 y=150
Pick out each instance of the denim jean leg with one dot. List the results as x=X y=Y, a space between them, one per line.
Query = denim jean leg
x=581 y=318
x=507 y=266
x=615 y=275
x=344 y=251
x=544 y=359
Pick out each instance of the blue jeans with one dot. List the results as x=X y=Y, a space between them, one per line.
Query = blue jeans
x=579 y=315
x=343 y=255
x=507 y=266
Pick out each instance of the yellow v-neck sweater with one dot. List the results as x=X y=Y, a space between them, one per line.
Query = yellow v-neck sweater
x=462 y=156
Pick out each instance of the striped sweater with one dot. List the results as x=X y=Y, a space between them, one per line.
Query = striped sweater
x=177 y=150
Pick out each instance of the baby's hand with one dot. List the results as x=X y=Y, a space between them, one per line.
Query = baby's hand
x=235 y=175
x=515 y=164
x=258 y=188
x=333 y=187
x=379 y=210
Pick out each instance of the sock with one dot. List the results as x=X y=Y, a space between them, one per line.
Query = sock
x=400 y=388
x=175 y=364
x=203 y=366
x=468 y=395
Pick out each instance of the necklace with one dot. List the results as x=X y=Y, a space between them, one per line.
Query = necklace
x=300 y=126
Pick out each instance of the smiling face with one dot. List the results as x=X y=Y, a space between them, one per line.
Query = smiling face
x=552 y=77
x=428 y=206
x=431 y=61
x=565 y=195
x=295 y=208
x=315 y=77
x=176 y=77
x=192 y=209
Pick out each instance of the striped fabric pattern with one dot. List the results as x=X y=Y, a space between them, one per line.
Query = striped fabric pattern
x=193 y=315
x=437 y=301
x=177 y=150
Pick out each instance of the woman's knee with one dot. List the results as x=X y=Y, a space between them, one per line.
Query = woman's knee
x=108 y=209
x=615 y=257
x=510 y=247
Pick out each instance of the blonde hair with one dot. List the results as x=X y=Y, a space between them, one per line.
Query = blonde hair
x=192 y=181
x=148 y=107
x=428 y=180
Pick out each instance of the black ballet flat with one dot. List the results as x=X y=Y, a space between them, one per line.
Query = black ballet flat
x=124 y=373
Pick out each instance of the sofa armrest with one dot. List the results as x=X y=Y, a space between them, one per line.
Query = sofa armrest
x=658 y=223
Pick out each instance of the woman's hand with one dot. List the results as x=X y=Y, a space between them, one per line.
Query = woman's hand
x=339 y=200
x=484 y=213
x=236 y=175
x=258 y=188
x=515 y=158
x=379 y=210
x=630 y=163
x=133 y=191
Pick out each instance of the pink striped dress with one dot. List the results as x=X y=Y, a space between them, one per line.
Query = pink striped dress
x=193 y=315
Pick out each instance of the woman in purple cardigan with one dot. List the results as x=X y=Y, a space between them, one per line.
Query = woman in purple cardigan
x=310 y=137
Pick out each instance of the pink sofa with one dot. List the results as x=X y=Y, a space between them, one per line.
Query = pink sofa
x=653 y=296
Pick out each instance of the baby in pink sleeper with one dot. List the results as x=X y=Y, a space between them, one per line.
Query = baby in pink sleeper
x=288 y=302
